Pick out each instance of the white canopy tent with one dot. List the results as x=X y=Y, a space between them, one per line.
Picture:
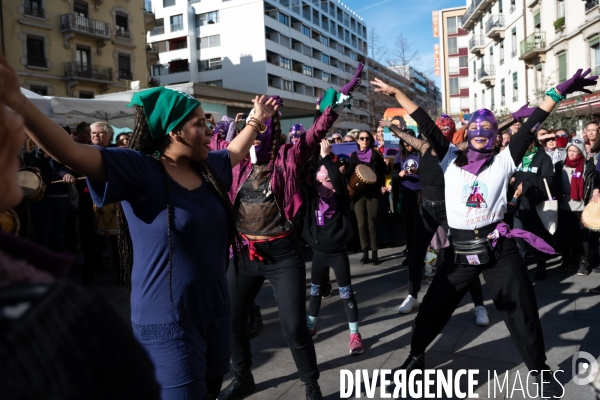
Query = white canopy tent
x=44 y=103
x=114 y=112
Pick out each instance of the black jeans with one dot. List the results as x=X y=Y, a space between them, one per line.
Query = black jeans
x=512 y=292
x=530 y=221
x=410 y=214
x=432 y=216
x=367 y=210
x=573 y=237
x=287 y=276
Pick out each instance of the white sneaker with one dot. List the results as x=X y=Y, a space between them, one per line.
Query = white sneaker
x=481 y=316
x=409 y=304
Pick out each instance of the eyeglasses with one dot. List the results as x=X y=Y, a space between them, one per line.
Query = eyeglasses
x=552 y=139
x=364 y=138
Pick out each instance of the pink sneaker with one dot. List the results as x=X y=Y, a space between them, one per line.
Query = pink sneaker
x=313 y=333
x=356 y=345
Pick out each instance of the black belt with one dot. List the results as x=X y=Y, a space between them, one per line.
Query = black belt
x=477 y=233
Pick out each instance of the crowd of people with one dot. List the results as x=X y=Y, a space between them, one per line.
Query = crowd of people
x=200 y=213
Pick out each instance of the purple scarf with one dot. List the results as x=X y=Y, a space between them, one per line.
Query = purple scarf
x=476 y=161
x=327 y=206
x=365 y=155
x=503 y=230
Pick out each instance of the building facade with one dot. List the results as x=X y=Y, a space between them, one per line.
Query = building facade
x=76 y=48
x=424 y=91
x=454 y=62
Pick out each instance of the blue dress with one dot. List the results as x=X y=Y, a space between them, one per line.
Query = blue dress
x=188 y=338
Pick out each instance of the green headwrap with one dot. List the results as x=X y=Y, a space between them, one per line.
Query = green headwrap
x=164 y=108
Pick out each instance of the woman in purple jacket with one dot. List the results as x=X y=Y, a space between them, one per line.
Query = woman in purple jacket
x=266 y=198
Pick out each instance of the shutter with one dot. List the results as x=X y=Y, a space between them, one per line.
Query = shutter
x=536 y=19
x=562 y=67
x=594 y=40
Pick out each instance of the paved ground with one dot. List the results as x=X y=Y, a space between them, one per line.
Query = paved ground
x=570 y=318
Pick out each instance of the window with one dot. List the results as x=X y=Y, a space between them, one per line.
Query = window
x=493 y=102
x=515 y=87
x=210 y=41
x=452 y=45
x=463 y=62
x=218 y=83
x=560 y=10
x=324 y=40
x=513 y=5
x=513 y=38
x=306 y=70
x=353 y=55
x=125 y=67
x=474 y=70
x=452 y=26
x=176 y=44
x=35 y=52
x=284 y=19
x=501 y=45
x=454 y=89
x=285 y=63
x=595 y=44
x=502 y=93
x=536 y=20
x=325 y=59
x=178 y=66
x=207 y=18
x=562 y=67
x=158 y=70
x=83 y=58
x=80 y=9
x=159 y=29
x=483 y=98
x=453 y=68
x=287 y=85
x=41 y=90
x=475 y=101
x=500 y=6
x=325 y=77
x=305 y=30
x=176 y=23
x=34 y=8
x=122 y=25
x=168 y=3
x=209 y=65
x=538 y=76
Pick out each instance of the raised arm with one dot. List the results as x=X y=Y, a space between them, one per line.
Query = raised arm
x=308 y=143
x=418 y=144
x=435 y=137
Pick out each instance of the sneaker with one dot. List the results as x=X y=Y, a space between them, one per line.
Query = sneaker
x=313 y=392
x=409 y=304
x=584 y=268
x=241 y=386
x=313 y=333
x=326 y=290
x=414 y=363
x=481 y=316
x=356 y=345
x=595 y=290
x=255 y=323
x=547 y=388
x=374 y=258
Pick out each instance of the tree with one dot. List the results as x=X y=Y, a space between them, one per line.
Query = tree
x=403 y=53
x=567 y=117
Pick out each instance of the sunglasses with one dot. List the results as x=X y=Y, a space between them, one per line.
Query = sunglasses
x=552 y=139
x=364 y=138
x=563 y=135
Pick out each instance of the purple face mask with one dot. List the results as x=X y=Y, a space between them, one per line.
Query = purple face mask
x=265 y=148
x=478 y=118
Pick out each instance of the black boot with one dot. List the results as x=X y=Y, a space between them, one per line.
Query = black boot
x=414 y=363
x=365 y=258
x=255 y=323
x=240 y=387
x=547 y=388
x=313 y=392
x=374 y=258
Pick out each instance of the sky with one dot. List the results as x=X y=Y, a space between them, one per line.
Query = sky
x=412 y=18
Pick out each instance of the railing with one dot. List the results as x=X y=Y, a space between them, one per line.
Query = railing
x=125 y=74
x=83 y=24
x=469 y=11
x=476 y=40
x=306 y=15
x=159 y=30
x=34 y=9
x=177 y=27
x=534 y=41
x=589 y=4
x=89 y=71
x=485 y=71
x=495 y=21
x=37 y=61
x=153 y=47
x=453 y=70
x=124 y=34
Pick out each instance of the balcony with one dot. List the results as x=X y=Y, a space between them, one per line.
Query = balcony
x=37 y=61
x=159 y=30
x=494 y=27
x=533 y=48
x=477 y=44
x=474 y=13
x=34 y=10
x=177 y=27
x=487 y=76
x=72 y=26
x=149 y=20
x=152 y=53
x=125 y=74
x=76 y=70
x=123 y=34
x=589 y=4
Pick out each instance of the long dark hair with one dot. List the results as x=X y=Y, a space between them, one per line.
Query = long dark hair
x=402 y=146
x=142 y=141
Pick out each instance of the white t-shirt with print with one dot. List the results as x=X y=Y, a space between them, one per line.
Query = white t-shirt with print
x=485 y=193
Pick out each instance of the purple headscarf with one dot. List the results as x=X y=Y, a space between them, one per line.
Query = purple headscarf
x=265 y=148
x=479 y=157
x=225 y=128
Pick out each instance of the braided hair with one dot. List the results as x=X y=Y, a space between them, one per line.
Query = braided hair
x=142 y=141
x=278 y=141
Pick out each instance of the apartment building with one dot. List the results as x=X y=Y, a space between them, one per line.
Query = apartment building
x=76 y=48
x=454 y=62
x=424 y=91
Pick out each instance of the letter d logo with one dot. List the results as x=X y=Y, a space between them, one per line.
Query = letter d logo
x=584 y=372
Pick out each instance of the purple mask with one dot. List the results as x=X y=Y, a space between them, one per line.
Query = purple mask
x=265 y=148
x=221 y=128
x=478 y=118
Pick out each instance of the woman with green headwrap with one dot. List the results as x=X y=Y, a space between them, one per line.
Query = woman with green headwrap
x=176 y=230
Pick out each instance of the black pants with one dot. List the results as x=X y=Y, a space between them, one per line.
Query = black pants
x=512 y=292
x=410 y=214
x=367 y=210
x=530 y=221
x=319 y=275
x=287 y=275
x=573 y=237
x=432 y=215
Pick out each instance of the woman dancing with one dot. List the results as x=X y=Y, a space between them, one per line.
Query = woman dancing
x=172 y=189
x=481 y=241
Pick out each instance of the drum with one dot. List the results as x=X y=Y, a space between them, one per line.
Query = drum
x=32 y=185
x=362 y=178
x=105 y=219
x=9 y=222
x=590 y=217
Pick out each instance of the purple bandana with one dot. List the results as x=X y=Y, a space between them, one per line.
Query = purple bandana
x=476 y=161
x=503 y=230
x=327 y=201
x=365 y=155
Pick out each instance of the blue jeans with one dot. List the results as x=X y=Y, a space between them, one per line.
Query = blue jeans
x=49 y=217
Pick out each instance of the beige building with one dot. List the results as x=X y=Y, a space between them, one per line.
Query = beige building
x=77 y=48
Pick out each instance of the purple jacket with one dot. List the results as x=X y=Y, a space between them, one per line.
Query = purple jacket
x=289 y=160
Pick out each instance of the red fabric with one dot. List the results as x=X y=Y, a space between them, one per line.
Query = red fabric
x=253 y=252
x=577 y=178
x=446 y=121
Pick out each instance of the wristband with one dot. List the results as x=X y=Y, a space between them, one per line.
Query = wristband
x=555 y=95
x=263 y=127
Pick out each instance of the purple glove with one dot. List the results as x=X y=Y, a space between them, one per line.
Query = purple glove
x=278 y=100
x=577 y=83
x=523 y=112
x=318 y=102
x=354 y=83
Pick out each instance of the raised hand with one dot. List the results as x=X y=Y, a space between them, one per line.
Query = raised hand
x=577 y=83
x=385 y=122
x=354 y=83
x=264 y=108
x=325 y=148
x=523 y=112
x=382 y=87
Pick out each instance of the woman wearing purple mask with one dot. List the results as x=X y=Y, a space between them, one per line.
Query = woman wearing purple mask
x=295 y=132
x=482 y=242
